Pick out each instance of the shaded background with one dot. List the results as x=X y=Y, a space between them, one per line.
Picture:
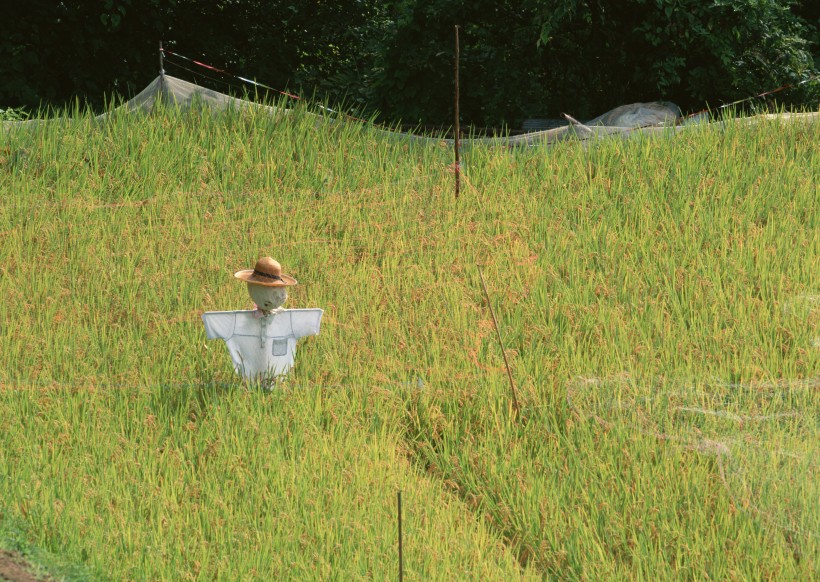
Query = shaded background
x=532 y=58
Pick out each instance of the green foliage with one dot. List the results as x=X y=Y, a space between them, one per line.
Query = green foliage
x=530 y=58
x=540 y=57
x=13 y=114
x=90 y=49
x=733 y=48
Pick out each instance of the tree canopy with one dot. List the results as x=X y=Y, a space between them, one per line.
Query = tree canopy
x=529 y=58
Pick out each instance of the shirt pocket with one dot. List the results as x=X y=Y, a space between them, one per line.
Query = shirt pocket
x=279 y=346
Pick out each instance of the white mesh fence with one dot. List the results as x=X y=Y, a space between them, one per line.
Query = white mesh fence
x=763 y=436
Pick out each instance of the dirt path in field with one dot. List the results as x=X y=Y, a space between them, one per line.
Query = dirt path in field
x=15 y=568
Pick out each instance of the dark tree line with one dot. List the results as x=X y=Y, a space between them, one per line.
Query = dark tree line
x=526 y=58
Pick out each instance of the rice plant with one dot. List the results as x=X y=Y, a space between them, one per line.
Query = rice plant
x=655 y=296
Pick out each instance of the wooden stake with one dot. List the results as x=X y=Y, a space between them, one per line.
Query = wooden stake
x=503 y=351
x=576 y=123
x=457 y=127
x=401 y=560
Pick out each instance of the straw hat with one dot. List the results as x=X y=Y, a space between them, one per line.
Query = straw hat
x=267 y=273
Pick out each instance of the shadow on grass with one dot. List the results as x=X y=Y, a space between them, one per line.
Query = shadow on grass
x=40 y=564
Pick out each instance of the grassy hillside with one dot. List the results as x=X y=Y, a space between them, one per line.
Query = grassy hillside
x=658 y=300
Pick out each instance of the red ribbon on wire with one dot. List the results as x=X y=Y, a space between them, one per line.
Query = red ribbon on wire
x=784 y=87
x=291 y=95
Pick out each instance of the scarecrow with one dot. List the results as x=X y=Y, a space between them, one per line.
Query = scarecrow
x=262 y=341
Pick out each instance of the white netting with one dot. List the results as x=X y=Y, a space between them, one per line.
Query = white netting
x=764 y=436
x=646 y=118
x=185 y=94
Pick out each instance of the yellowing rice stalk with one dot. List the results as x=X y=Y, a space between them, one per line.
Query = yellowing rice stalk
x=651 y=294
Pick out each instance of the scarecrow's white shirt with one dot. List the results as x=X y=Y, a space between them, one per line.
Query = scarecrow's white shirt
x=262 y=346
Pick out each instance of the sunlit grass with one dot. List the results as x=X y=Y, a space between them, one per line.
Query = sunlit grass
x=667 y=262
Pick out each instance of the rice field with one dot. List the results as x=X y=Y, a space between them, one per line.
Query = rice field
x=657 y=297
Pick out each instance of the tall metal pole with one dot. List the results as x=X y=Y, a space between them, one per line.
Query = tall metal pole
x=457 y=127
